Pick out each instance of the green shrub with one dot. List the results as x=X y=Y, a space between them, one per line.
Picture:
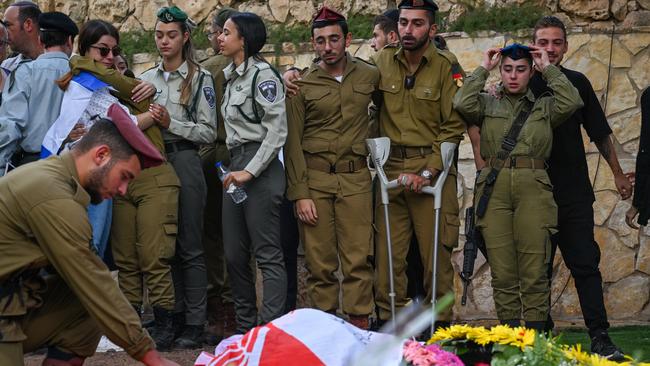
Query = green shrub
x=143 y=42
x=499 y=19
x=359 y=25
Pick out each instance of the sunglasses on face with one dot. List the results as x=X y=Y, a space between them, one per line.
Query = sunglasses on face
x=103 y=51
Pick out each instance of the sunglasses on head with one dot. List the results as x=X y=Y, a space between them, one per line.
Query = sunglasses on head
x=103 y=51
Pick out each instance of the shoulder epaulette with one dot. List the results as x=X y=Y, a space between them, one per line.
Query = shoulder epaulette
x=364 y=61
x=457 y=72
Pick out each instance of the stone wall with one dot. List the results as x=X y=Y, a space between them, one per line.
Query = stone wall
x=130 y=15
x=625 y=260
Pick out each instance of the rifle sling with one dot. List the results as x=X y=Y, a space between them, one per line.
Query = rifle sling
x=507 y=145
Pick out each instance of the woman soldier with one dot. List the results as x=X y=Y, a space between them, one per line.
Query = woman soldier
x=519 y=216
x=184 y=109
x=256 y=128
x=146 y=214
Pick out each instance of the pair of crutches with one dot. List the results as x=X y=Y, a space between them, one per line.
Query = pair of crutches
x=379 y=151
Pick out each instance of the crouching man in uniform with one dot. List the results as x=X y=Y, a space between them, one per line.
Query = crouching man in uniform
x=54 y=289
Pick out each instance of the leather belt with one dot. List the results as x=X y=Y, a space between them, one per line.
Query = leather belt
x=408 y=152
x=519 y=162
x=347 y=166
x=240 y=149
x=172 y=147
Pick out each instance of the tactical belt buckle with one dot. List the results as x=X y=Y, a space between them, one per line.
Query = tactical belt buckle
x=513 y=162
x=332 y=168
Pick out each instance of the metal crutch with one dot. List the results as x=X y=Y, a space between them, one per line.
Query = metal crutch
x=379 y=149
x=447 y=150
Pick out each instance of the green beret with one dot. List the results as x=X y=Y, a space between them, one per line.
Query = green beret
x=222 y=15
x=170 y=14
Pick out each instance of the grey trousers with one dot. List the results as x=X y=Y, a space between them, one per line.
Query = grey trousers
x=253 y=228
x=188 y=267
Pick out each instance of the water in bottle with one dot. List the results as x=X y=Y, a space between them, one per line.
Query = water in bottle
x=238 y=194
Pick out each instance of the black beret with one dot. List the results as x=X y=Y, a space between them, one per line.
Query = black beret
x=516 y=51
x=392 y=14
x=419 y=4
x=57 y=22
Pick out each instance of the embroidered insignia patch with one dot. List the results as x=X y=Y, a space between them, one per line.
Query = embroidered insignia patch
x=209 y=96
x=269 y=90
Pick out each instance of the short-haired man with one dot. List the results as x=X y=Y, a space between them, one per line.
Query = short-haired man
x=418 y=83
x=328 y=178
x=220 y=308
x=384 y=31
x=55 y=292
x=33 y=102
x=21 y=20
x=572 y=189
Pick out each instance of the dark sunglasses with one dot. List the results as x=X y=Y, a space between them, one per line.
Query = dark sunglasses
x=103 y=51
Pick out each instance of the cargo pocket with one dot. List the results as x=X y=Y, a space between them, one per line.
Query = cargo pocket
x=449 y=230
x=168 y=247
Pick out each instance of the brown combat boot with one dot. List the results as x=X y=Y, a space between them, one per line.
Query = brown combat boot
x=359 y=321
x=214 y=329
x=229 y=320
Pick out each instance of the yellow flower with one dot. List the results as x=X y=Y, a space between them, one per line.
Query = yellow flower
x=453 y=332
x=523 y=337
x=502 y=334
x=479 y=335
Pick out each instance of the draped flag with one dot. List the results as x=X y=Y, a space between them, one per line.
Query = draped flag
x=302 y=337
x=75 y=101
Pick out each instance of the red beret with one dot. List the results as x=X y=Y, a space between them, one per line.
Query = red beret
x=149 y=155
x=326 y=14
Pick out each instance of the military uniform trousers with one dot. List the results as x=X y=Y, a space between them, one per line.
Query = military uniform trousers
x=188 y=265
x=215 y=261
x=59 y=323
x=412 y=213
x=143 y=236
x=343 y=231
x=517 y=226
x=253 y=228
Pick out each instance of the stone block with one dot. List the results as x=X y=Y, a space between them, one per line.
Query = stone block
x=622 y=94
x=199 y=10
x=632 y=5
x=645 y=4
x=576 y=41
x=279 y=9
x=302 y=11
x=601 y=46
x=303 y=60
x=632 y=147
x=594 y=9
x=617 y=260
x=145 y=12
x=109 y=10
x=626 y=126
x=636 y=19
x=643 y=257
x=595 y=70
x=364 y=51
x=626 y=298
x=261 y=9
x=565 y=299
x=288 y=47
x=465 y=149
x=604 y=205
x=640 y=72
x=635 y=42
x=467 y=170
x=619 y=9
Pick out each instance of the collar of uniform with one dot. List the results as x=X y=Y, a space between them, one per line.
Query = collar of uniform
x=240 y=70
x=80 y=194
x=350 y=65
x=53 y=54
x=428 y=55
x=501 y=90
x=182 y=70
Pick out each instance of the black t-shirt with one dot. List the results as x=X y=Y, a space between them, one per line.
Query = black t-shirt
x=568 y=163
x=642 y=188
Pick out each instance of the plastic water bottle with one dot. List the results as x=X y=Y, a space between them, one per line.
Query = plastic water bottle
x=238 y=194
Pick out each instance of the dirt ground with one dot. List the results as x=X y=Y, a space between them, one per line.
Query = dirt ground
x=183 y=358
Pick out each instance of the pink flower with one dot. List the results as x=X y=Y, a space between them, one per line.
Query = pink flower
x=431 y=355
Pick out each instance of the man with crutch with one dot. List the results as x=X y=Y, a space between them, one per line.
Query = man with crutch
x=418 y=83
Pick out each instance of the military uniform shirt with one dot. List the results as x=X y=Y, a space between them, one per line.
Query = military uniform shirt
x=43 y=222
x=328 y=120
x=423 y=115
x=216 y=65
x=168 y=94
x=496 y=115
x=31 y=105
x=237 y=109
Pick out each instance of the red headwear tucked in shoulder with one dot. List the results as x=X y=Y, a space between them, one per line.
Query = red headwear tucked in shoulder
x=149 y=155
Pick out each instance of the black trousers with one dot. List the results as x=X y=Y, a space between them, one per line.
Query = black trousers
x=581 y=255
x=290 y=240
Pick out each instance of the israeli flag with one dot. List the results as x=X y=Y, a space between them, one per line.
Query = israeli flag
x=75 y=101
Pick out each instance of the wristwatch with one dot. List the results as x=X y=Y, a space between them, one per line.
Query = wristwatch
x=426 y=174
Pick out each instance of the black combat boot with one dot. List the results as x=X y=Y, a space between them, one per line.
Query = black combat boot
x=191 y=338
x=538 y=326
x=162 y=331
x=602 y=345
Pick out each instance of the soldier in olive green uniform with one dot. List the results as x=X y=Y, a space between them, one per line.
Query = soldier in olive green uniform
x=521 y=213
x=54 y=290
x=327 y=170
x=417 y=115
x=220 y=307
x=187 y=93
